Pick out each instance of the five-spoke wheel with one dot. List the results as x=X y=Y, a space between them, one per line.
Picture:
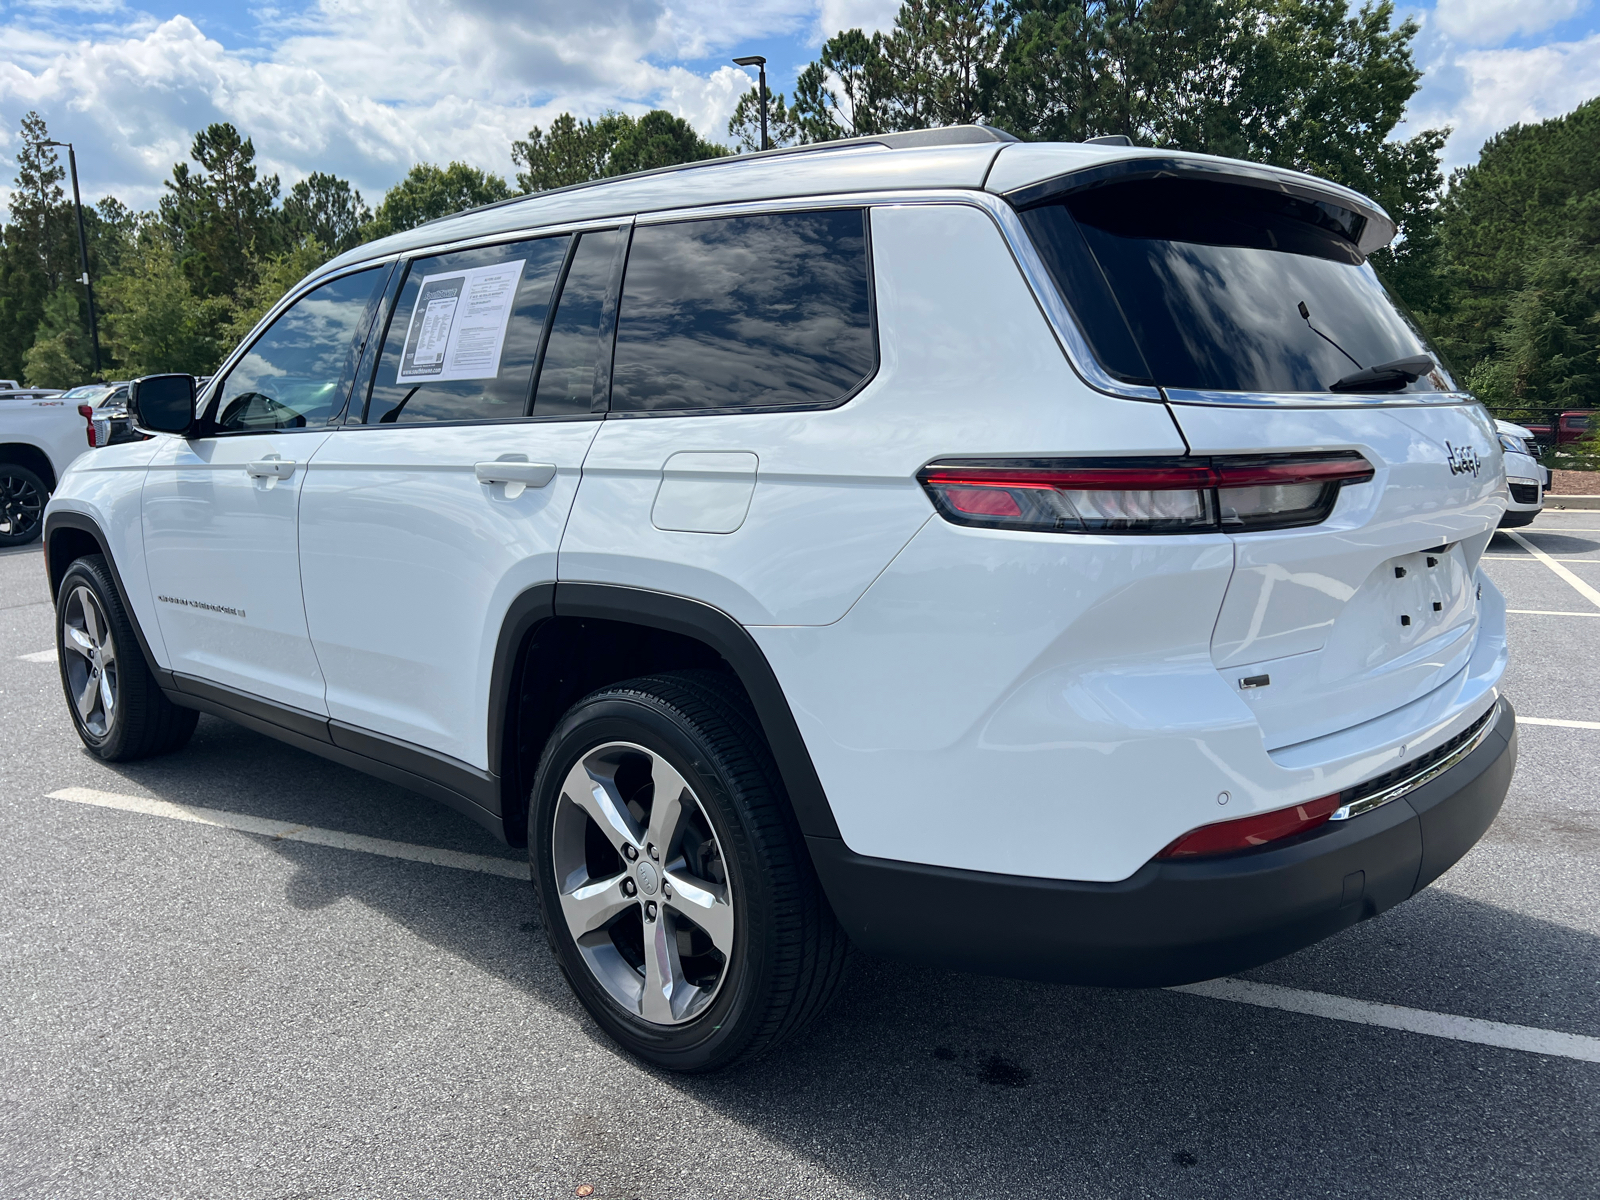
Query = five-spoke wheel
x=674 y=886
x=90 y=661
x=643 y=883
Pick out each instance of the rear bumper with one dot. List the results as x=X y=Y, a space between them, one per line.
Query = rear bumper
x=1173 y=921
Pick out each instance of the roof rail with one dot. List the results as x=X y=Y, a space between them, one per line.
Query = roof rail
x=948 y=135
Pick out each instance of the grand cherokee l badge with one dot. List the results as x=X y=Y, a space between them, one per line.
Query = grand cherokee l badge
x=1463 y=460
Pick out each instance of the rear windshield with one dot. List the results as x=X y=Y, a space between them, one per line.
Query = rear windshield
x=1220 y=287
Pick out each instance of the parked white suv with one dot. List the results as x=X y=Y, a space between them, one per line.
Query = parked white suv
x=1047 y=560
x=40 y=433
x=1526 y=480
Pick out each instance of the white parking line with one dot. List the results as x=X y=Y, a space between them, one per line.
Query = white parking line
x=38 y=656
x=1392 y=1016
x=1241 y=991
x=1582 y=588
x=284 y=831
x=1547 y=612
x=1525 y=558
x=1522 y=720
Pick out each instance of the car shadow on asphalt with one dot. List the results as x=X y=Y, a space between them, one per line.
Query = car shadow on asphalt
x=930 y=1083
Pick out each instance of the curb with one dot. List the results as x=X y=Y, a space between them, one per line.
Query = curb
x=1571 y=501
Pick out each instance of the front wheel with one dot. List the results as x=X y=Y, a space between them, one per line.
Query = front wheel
x=675 y=889
x=117 y=706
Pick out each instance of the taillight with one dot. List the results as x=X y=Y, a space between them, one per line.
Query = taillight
x=98 y=431
x=1143 y=495
x=1257 y=830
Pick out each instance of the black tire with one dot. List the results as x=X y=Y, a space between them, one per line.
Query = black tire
x=22 y=499
x=140 y=721
x=788 y=951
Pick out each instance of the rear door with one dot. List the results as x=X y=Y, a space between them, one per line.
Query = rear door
x=443 y=497
x=221 y=511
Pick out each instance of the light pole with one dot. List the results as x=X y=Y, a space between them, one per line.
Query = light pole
x=83 y=246
x=755 y=60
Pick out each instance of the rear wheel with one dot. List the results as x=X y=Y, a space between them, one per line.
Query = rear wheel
x=117 y=707
x=22 y=499
x=675 y=889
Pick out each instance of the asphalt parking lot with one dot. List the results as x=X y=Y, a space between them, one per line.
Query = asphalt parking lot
x=217 y=979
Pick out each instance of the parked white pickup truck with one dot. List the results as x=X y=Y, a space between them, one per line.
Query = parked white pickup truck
x=40 y=433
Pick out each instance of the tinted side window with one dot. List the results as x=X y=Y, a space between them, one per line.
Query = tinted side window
x=567 y=376
x=744 y=312
x=465 y=333
x=298 y=372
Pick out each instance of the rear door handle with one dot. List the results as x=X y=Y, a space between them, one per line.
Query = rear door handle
x=526 y=473
x=271 y=468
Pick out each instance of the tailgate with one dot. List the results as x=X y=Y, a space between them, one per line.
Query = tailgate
x=1325 y=627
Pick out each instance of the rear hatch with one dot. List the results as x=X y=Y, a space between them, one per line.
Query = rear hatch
x=1254 y=309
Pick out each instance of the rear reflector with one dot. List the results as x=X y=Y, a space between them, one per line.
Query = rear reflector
x=1257 y=830
x=1161 y=495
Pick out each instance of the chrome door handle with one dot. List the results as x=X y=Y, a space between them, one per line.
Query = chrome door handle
x=271 y=468
x=526 y=473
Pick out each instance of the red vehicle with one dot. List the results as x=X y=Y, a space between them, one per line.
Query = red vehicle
x=1571 y=426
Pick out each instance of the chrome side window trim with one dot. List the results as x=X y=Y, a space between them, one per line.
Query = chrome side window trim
x=1315 y=399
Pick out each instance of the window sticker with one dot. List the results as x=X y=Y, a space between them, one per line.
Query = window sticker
x=458 y=324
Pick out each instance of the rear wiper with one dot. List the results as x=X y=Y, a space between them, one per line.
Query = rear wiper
x=1389 y=376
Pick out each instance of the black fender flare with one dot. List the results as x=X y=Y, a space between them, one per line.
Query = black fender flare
x=65 y=519
x=688 y=618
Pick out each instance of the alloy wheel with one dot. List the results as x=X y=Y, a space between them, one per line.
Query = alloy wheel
x=21 y=505
x=90 y=658
x=643 y=883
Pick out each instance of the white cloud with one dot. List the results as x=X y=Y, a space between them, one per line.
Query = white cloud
x=1489 y=22
x=1479 y=92
x=364 y=88
x=868 y=15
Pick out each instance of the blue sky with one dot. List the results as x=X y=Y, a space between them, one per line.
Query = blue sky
x=366 y=88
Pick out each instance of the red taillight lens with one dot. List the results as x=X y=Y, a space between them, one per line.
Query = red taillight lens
x=92 y=433
x=1257 y=830
x=1172 y=495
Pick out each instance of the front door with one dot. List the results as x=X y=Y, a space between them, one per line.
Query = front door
x=442 y=499
x=220 y=511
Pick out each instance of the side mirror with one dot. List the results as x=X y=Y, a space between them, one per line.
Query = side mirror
x=162 y=403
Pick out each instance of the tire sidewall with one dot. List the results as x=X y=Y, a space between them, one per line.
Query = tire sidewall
x=83 y=574
x=733 y=1017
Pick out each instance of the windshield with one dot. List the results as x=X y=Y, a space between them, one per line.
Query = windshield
x=1221 y=287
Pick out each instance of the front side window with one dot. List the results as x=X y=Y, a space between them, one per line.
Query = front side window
x=745 y=312
x=1222 y=287
x=299 y=371
x=464 y=334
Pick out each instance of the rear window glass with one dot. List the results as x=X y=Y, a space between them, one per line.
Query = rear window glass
x=1208 y=286
x=465 y=333
x=572 y=356
x=745 y=312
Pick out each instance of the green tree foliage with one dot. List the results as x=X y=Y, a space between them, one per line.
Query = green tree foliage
x=38 y=247
x=1305 y=84
x=429 y=192
x=60 y=356
x=326 y=209
x=574 y=151
x=155 y=321
x=1517 y=305
x=744 y=127
x=224 y=216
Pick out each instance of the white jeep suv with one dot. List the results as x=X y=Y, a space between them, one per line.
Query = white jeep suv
x=1047 y=560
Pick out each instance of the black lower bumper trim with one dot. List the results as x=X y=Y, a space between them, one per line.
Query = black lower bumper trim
x=1173 y=921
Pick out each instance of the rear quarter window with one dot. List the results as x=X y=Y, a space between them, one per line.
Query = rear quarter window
x=761 y=311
